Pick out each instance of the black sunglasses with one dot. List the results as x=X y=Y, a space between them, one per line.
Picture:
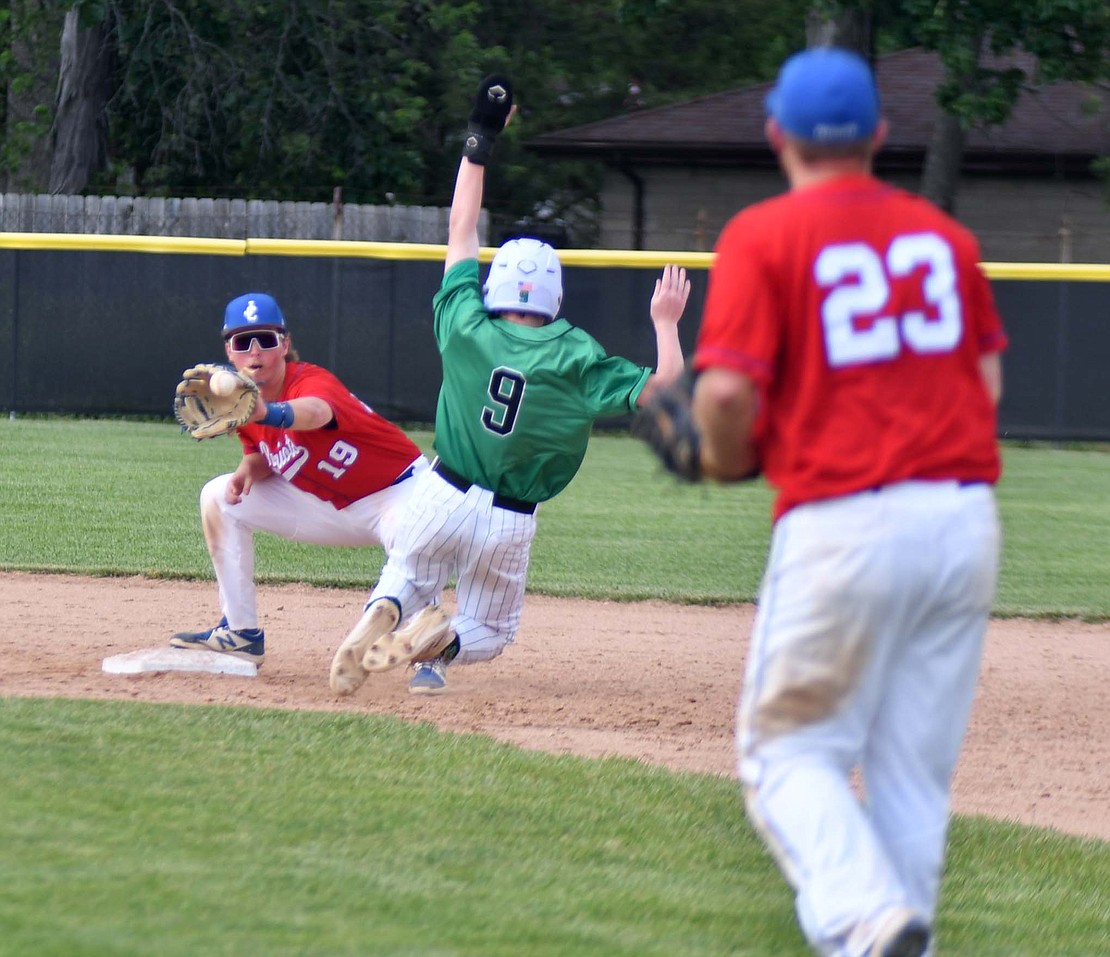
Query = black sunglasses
x=267 y=339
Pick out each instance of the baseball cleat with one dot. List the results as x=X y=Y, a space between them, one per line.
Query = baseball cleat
x=430 y=677
x=247 y=643
x=910 y=939
x=347 y=673
x=425 y=637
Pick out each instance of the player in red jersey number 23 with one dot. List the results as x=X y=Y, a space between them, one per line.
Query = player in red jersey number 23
x=849 y=350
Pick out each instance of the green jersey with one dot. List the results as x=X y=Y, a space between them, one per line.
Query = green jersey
x=518 y=402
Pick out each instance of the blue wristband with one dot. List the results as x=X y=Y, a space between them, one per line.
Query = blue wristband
x=278 y=414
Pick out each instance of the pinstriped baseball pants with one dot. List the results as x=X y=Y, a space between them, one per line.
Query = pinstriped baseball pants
x=445 y=533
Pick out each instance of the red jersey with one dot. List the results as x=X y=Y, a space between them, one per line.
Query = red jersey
x=860 y=312
x=358 y=454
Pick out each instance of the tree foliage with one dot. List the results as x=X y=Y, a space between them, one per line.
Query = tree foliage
x=283 y=100
x=1069 y=38
x=29 y=37
x=976 y=41
x=291 y=100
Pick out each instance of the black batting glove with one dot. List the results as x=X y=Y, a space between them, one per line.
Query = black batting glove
x=492 y=104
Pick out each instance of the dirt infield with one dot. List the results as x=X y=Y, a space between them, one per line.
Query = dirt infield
x=650 y=681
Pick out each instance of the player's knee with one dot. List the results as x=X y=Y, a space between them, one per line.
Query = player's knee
x=212 y=496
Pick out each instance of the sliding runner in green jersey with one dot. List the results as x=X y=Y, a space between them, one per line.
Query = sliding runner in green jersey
x=521 y=391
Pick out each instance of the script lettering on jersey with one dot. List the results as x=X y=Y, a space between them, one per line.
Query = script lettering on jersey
x=860 y=276
x=287 y=459
x=506 y=389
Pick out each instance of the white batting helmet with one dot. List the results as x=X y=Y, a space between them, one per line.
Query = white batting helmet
x=525 y=276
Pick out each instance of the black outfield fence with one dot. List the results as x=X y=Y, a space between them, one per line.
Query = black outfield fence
x=104 y=325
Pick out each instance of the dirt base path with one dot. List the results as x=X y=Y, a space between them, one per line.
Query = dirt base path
x=588 y=678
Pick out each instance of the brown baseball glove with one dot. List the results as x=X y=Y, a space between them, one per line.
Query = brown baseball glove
x=205 y=414
x=667 y=425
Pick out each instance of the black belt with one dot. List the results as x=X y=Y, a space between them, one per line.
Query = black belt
x=500 y=501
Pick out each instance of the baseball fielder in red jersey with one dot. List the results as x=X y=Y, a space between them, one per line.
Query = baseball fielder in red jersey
x=318 y=466
x=850 y=351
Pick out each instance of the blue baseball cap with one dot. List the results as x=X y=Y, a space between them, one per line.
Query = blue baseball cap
x=253 y=310
x=825 y=95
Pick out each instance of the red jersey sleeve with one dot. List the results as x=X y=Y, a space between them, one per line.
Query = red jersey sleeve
x=738 y=329
x=990 y=336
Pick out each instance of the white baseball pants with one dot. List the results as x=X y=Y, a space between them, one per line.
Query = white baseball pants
x=444 y=532
x=279 y=507
x=865 y=655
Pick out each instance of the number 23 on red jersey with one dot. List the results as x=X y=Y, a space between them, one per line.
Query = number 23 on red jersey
x=860 y=279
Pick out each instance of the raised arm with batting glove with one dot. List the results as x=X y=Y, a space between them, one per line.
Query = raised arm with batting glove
x=492 y=105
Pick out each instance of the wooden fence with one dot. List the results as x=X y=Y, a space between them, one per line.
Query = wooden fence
x=224 y=218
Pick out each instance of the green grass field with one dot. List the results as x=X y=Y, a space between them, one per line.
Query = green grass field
x=114 y=497
x=133 y=829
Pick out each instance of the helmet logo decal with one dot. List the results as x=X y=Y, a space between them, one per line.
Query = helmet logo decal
x=525 y=276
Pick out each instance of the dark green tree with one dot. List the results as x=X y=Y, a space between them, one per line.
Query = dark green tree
x=575 y=63
x=29 y=38
x=1070 y=40
x=291 y=101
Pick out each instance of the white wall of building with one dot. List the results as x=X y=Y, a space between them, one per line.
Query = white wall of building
x=1016 y=220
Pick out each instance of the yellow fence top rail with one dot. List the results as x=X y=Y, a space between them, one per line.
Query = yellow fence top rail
x=1069 y=272
x=344 y=248
x=431 y=251
x=590 y=258
x=134 y=244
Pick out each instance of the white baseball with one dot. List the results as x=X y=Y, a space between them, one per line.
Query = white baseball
x=223 y=383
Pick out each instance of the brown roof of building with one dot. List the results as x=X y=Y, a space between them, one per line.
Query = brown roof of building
x=1054 y=126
